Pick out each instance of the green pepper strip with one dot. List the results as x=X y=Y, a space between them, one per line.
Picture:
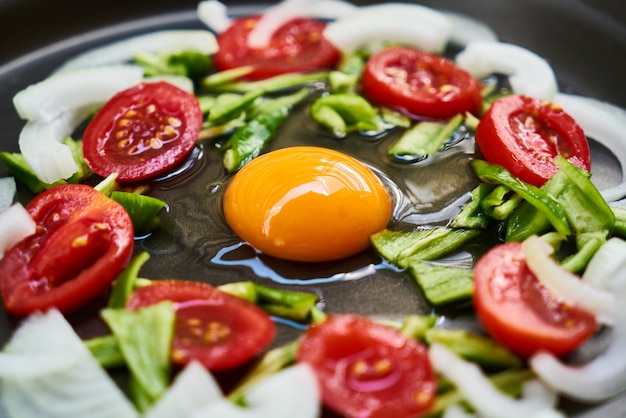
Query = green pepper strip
x=248 y=141
x=472 y=215
x=270 y=85
x=342 y=113
x=443 y=284
x=426 y=138
x=492 y=173
x=280 y=302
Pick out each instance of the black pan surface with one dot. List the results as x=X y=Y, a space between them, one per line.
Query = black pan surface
x=585 y=42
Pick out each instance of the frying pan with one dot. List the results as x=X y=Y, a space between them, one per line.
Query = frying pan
x=584 y=41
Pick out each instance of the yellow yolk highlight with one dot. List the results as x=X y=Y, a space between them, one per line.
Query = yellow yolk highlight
x=307 y=204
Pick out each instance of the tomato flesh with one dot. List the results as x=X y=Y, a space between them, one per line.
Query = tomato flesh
x=143 y=131
x=524 y=134
x=519 y=312
x=297 y=46
x=420 y=84
x=218 y=330
x=367 y=369
x=83 y=241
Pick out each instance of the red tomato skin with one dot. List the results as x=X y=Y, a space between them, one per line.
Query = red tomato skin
x=520 y=313
x=345 y=343
x=248 y=329
x=297 y=46
x=54 y=267
x=138 y=142
x=420 y=84
x=526 y=155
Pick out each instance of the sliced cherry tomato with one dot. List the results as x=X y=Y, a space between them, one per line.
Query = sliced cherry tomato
x=523 y=135
x=419 y=84
x=368 y=370
x=143 y=131
x=218 y=330
x=83 y=241
x=519 y=312
x=297 y=46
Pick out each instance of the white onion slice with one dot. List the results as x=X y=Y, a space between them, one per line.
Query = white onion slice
x=528 y=73
x=15 y=225
x=7 y=192
x=605 y=263
x=566 y=285
x=40 y=144
x=410 y=24
x=289 y=393
x=214 y=15
x=466 y=29
x=292 y=392
x=484 y=397
x=75 y=387
x=276 y=16
x=193 y=389
x=603 y=377
x=605 y=123
x=161 y=41
x=455 y=411
x=68 y=91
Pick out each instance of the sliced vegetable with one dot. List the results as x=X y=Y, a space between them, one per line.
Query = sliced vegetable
x=248 y=141
x=366 y=369
x=475 y=348
x=15 y=225
x=7 y=192
x=269 y=85
x=343 y=113
x=42 y=148
x=155 y=126
x=605 y=123
x=442 y=284
x=425 y=138
x=483 y=396
x=55 y=366
x=214 y=15
x=419 y=84
x=606 y=263
x=298 y=46
x=538 y=198
x=524 y=134
x=529 y=74
x=72 y=91
x=604 y=376
x=564 y=285
x=535 y=318
x=466 y=29
x=166 y=41
x=193 y=389
x=142 y=209
x=218 y=330
x=410 y=24
x=83 y=240
x=185 y=64
x=276 y=16
x=149 y=364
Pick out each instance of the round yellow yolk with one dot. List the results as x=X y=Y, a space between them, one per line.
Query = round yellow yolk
x=306 y=204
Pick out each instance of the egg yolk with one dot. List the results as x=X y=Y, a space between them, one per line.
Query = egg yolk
x=307 y=204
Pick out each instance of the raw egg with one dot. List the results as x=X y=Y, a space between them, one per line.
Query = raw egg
x=307 y=204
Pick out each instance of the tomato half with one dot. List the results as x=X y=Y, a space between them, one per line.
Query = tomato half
x=519 y=312
x=143 y=131
x=419 y=84
x=523 y=135
x=218 y=330
x=297 y=46
x=367 y=369
x=83 y=241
